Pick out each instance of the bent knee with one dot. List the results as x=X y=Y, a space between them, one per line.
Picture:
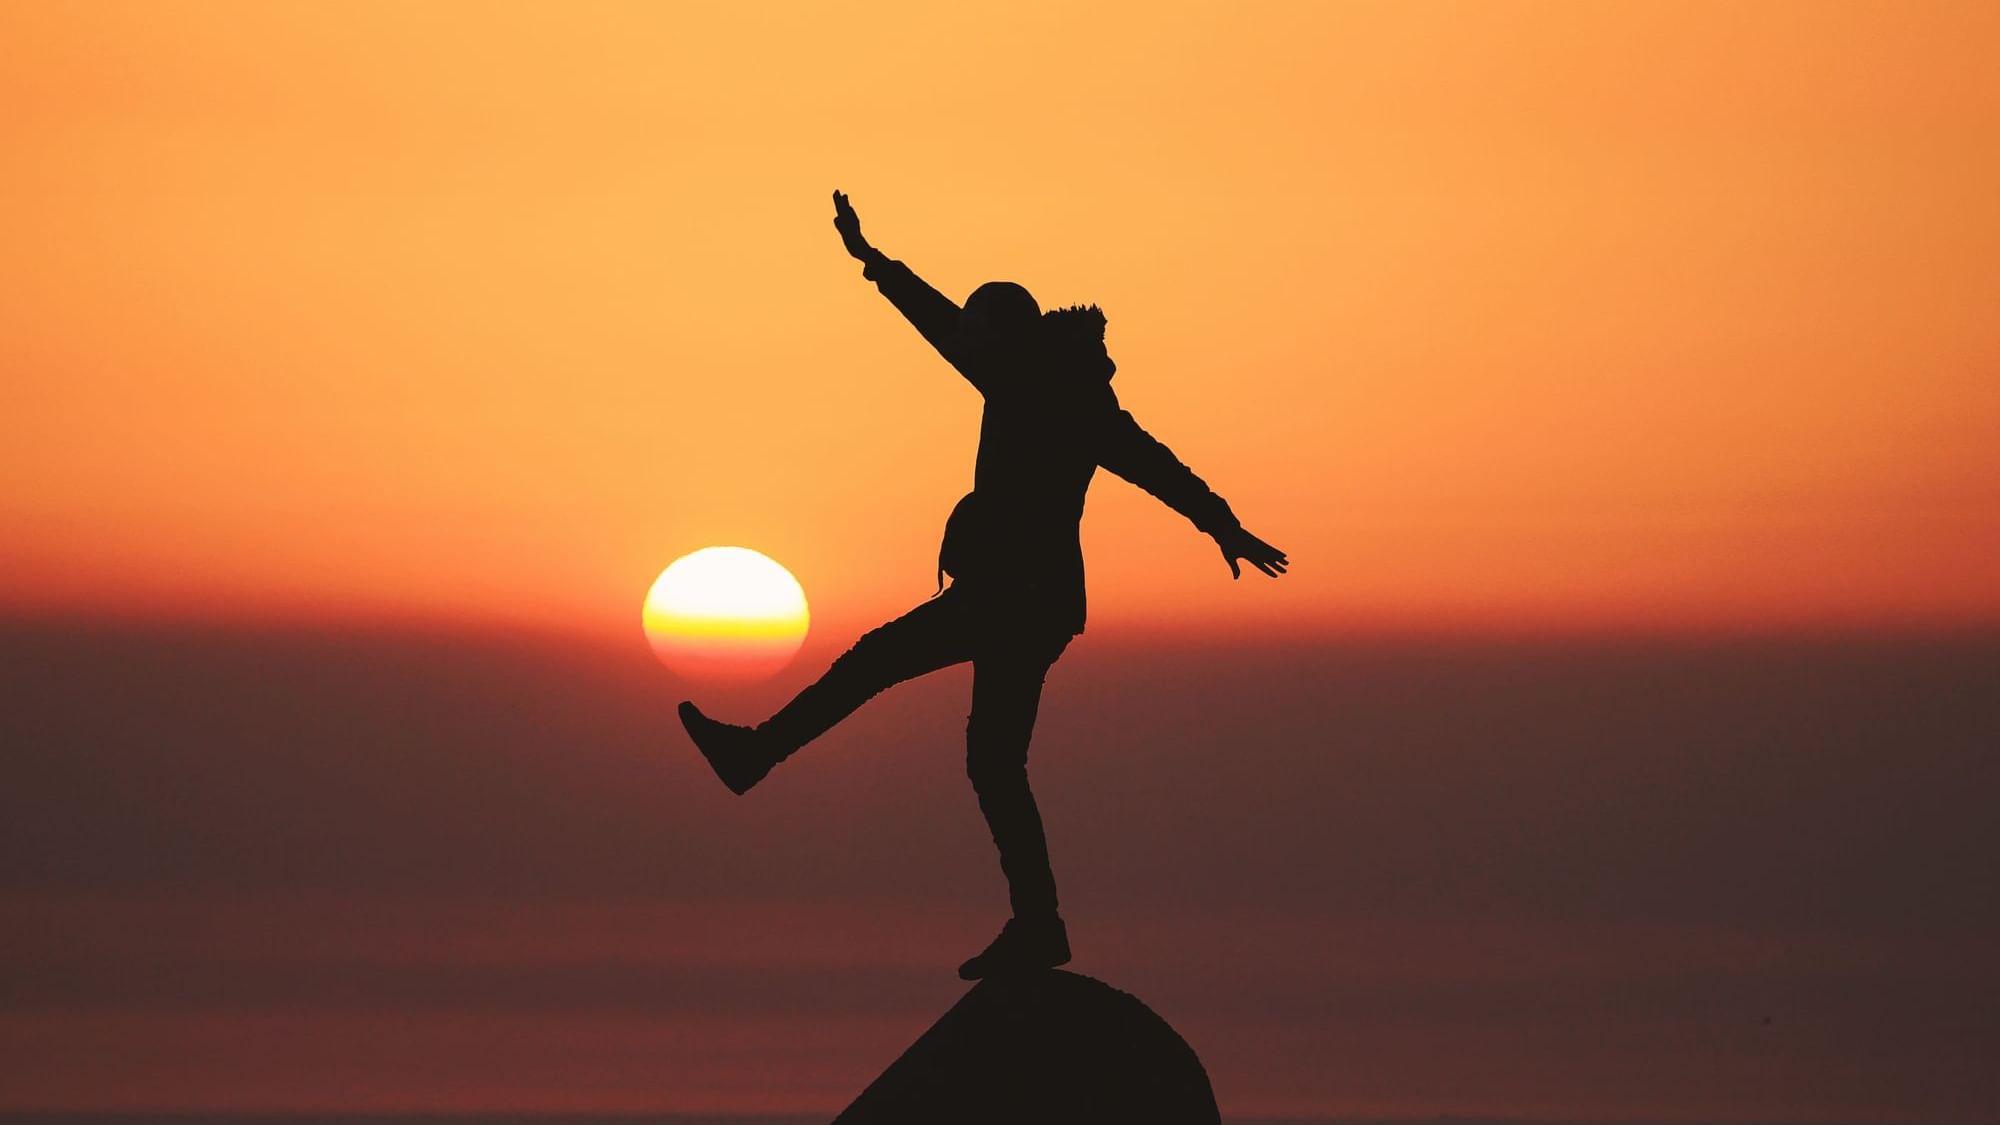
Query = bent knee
x=992 y=774
x=995 y=758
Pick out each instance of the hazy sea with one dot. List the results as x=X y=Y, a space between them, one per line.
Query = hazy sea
x=244 y=1118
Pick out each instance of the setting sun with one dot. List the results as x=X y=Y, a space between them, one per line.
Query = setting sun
x=725 y=613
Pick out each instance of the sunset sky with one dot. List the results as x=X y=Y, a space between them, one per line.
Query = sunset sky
x=1622 y=379
x=1530 y=316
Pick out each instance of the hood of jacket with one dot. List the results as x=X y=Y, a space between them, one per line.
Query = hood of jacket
x=1074 y=337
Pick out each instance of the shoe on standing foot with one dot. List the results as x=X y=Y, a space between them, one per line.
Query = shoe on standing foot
x=1024 y=945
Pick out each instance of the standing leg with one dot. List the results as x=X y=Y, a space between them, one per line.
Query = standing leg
x=1006 y=695
x=925 y=639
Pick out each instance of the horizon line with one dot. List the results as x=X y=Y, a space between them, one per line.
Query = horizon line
x=391 y=621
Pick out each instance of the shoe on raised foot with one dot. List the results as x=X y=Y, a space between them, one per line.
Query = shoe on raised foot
x=1024 y=945
x=736 y=754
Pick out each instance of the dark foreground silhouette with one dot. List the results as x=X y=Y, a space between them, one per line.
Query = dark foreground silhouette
x=1046 y=1047
x=1012 y=550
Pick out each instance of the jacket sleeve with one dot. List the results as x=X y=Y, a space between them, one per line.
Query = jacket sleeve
x=934 y=315
x=1141 y=458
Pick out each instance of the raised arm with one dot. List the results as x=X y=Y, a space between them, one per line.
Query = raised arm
x=934 y=315
x=1129 y=451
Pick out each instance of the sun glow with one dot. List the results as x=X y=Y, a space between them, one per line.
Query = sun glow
x=725 y=613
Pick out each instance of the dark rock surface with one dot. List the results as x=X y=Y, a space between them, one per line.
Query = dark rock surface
x=1049 y=1047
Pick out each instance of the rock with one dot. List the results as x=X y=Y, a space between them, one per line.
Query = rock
x=1048 y=1048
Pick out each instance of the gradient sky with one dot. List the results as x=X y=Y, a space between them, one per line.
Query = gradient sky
x=1530 y=316
x=1621 y=379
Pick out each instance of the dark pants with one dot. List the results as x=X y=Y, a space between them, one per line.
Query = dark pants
x=1011 y=648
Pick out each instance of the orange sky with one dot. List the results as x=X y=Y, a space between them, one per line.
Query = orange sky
x=1551 y=315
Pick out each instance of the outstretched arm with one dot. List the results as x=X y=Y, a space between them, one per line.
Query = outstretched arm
x=1129 y=451
x=934 y=315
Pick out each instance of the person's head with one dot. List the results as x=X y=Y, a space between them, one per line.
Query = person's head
x=999 y=313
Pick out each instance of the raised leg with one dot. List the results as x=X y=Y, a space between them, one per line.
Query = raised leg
x=927 y=638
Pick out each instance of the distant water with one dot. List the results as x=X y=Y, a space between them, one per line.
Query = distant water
x=7 y=1118
x=137 y=1118
x=407 y=1119
x=619 y=1119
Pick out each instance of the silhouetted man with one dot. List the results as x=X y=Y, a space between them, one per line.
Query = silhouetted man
x=1012 y=550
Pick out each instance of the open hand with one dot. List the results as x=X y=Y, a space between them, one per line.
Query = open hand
x=1240 y=544
x=849 y=225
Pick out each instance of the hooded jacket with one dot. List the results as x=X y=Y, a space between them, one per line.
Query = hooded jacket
x=1050 y=420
